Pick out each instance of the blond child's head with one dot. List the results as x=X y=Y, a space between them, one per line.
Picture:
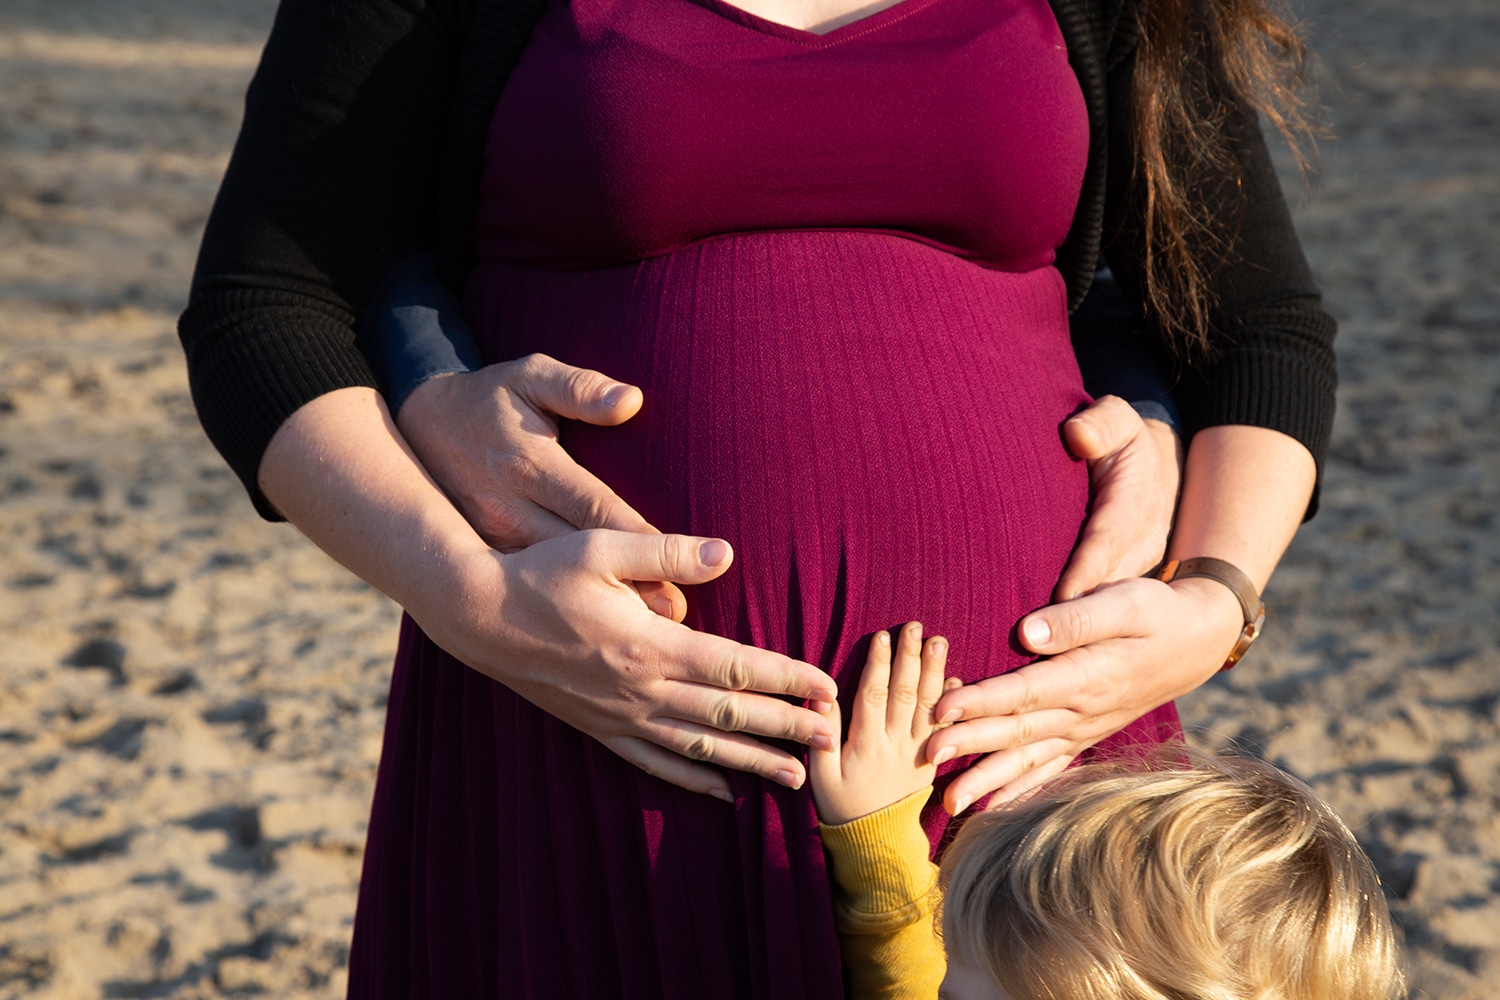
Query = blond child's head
x=1183 y=877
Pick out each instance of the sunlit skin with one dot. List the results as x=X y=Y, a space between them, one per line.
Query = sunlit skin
x=817 y=17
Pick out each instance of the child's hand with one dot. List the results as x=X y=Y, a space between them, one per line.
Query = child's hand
x=885 y=758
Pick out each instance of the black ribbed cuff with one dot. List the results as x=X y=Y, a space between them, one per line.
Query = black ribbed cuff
x=254 y=357
x=1272 y=381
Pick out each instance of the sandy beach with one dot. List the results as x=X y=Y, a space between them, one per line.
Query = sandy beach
x=191 y=699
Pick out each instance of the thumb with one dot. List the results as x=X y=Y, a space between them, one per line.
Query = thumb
x=1114 y=610
x=629 y=555
x=1105 y=427
x=575 y=393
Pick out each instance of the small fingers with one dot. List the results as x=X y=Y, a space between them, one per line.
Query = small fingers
x=874 y=688
x=931 y=685
x=905 y=677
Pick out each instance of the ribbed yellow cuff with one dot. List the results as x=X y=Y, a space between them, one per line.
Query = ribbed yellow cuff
x=881 y=867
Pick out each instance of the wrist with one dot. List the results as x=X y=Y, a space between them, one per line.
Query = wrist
x=1220 y=620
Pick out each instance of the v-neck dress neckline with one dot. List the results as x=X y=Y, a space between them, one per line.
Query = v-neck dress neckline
x=866 y=25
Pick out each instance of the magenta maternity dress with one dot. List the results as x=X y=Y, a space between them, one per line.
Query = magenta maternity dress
x=827 y=262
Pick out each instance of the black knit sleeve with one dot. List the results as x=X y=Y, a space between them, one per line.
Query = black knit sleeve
x=336 y=164
x=1271 y=362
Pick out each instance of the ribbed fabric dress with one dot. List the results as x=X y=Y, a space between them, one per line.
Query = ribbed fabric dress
x=826 y=259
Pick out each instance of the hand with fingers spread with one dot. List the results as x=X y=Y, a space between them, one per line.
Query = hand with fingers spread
x=561 y=621
x=659 y=694
x=884 y=760
x=490 y=440
x=1117 y=653
x=1127 y=648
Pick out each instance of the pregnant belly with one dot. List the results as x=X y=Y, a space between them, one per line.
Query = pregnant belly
x=872 y=423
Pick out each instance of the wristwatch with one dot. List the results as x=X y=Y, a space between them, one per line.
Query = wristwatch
x=1230 y=576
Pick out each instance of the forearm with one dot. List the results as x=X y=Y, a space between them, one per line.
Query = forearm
x=339 y=470
x=885 y=903
x=1245 y=490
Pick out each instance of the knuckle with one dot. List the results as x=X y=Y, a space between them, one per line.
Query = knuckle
x=592 y=546
x=589 y=510
x=517 y=470
x=727 y=713
x=1074 y=621
x=582 y=383
x=524 y=369
x=698 y=746
x=1026 y=701
x=736 y=673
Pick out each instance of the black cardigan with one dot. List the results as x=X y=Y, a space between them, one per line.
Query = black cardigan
x=365 y=125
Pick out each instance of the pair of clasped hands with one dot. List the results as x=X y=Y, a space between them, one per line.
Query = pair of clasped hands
x=594 y=625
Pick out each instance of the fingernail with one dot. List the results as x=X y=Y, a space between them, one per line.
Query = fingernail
x=661 y=606
x=788 y=779
x=825 y=694
x=615 y=394
x=820 y=742
x=712 y=552
x=944 y=755
x=721 y=795
x=951 y=716
x=1038 y=632
x=961 y=804
x=883 y=638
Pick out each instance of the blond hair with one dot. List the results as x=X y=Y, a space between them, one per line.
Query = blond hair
x=1181 y=876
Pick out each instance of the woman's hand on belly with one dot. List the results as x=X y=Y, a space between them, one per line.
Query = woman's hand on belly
x=489 y=438
x=1135 y=467
x=1131 y=646
x=1139 y=644
x=561 y=624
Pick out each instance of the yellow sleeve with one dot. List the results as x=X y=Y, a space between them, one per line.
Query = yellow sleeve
x=885 y=894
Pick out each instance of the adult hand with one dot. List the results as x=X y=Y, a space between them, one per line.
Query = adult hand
x=1135 y=467
x=560 y=624
x=1116 y=654
x=489 y=439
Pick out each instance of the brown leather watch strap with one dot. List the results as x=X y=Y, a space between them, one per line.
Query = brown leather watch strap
x=1238 y=583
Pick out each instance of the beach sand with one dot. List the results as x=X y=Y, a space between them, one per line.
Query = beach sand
x=191 y=699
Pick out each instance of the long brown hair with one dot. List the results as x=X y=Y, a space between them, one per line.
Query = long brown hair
x=1195 y=56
